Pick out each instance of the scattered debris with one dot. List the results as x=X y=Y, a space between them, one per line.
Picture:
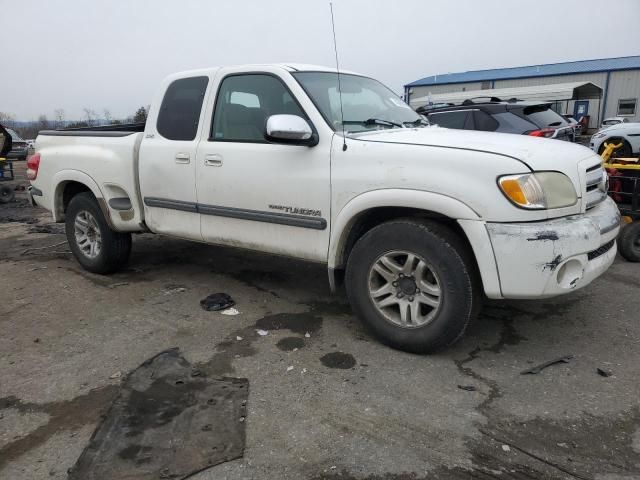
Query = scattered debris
x=289 y=368
x=506 y=448
x=41 y=267
x=562 y=445
x=50 y=228
x=172 y=289
x=542 y=366
x=604 y=373
x=304 y=370
x=307 y=335
x=217 y=301
x=119 y=284
x=468 y=388
x=238 y=338
x=36 y=340
x=165 y=423
x=118 y=374
x=33 y=249
x=230 y=311
x=262 y=333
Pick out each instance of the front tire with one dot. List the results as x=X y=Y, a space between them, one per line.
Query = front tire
x=413 y=284
x=629 y=242
x=96 y=247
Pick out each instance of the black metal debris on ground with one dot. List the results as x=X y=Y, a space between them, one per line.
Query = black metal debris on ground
x=167 y=423
x=604 y=373
x=468 y=388
x=542 y=366
x=217 y=301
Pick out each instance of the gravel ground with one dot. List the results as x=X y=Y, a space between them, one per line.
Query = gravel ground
x=349 y=408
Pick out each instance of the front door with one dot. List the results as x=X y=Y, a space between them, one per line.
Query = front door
x=260 y=195
x=167 y=160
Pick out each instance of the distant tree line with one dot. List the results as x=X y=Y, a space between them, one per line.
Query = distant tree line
x=89 y=119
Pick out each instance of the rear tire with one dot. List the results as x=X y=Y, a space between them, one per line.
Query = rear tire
x=96 y=247
x=6 y=194
x=418 y=267
x=629 y=242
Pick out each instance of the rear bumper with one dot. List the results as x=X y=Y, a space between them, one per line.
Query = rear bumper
x=553 y=257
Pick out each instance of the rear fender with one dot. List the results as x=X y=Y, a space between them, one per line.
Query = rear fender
x=62 y=178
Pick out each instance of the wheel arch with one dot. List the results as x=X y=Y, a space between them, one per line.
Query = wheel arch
x=68 y=183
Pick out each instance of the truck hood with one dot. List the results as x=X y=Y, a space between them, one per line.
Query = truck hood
x=534 y=152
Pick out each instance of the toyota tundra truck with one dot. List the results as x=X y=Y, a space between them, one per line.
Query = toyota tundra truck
x=419 y=223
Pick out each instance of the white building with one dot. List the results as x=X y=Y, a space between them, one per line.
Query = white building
x=619 y=79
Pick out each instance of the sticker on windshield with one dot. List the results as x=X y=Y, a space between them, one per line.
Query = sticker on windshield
x=399 y=103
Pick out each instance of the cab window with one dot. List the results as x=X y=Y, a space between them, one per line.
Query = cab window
x=180 y=109
x=244 y=104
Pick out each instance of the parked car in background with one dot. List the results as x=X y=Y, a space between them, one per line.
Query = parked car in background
x=526 y=118
x=577 y=126
x=19 y=149
x=608 y=122
x=626 y=133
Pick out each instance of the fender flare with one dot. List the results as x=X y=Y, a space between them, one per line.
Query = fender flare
x=64 y=176
x=418 y=199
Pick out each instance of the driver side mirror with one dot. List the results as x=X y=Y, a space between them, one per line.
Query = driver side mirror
x=290 y=129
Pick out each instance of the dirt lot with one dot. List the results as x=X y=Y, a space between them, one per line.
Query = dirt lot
x=367 y=413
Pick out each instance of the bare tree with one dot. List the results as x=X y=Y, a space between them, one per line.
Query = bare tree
x=107 y=116
x=59 y=116
x=89 y=115
x=43 y=123
x=6 y=117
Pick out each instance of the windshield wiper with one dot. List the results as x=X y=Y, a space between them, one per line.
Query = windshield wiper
x=417 y=123
x=373 y=121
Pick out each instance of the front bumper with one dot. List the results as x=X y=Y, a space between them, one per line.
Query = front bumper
x=553 y=257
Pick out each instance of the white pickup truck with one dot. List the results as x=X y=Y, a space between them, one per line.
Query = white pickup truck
x=420 y=222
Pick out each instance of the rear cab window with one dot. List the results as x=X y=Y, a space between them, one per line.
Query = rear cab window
x=180 y=109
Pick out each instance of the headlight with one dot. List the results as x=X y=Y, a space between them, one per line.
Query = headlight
x=599 y=135
x=539 y=190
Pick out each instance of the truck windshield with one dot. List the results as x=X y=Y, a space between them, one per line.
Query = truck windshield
x=367 y=104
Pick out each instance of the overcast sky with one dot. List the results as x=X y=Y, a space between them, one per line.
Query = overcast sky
x=111 y=54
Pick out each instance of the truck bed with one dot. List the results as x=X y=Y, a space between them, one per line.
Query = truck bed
x=121 y=130
x=104 y=159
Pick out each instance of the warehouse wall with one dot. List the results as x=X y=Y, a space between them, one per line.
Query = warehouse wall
x=623 y=85
x=595 y=105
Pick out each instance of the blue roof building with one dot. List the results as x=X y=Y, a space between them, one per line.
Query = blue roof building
x=618 y=77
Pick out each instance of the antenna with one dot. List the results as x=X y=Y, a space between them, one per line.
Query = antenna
x=335 y=49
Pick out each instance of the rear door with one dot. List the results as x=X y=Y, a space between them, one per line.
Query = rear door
x=167 y=158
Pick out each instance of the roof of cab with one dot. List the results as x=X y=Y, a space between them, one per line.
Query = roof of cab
x=290 y=67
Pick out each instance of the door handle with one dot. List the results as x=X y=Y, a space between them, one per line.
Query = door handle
x=182 y=158
x=213 y=160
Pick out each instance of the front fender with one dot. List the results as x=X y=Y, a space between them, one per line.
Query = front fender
x=393 y=197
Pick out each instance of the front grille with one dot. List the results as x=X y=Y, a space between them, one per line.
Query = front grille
x=600 y=251
x=596 y=185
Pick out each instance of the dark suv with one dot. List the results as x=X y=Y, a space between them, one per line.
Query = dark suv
x=514 y=116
